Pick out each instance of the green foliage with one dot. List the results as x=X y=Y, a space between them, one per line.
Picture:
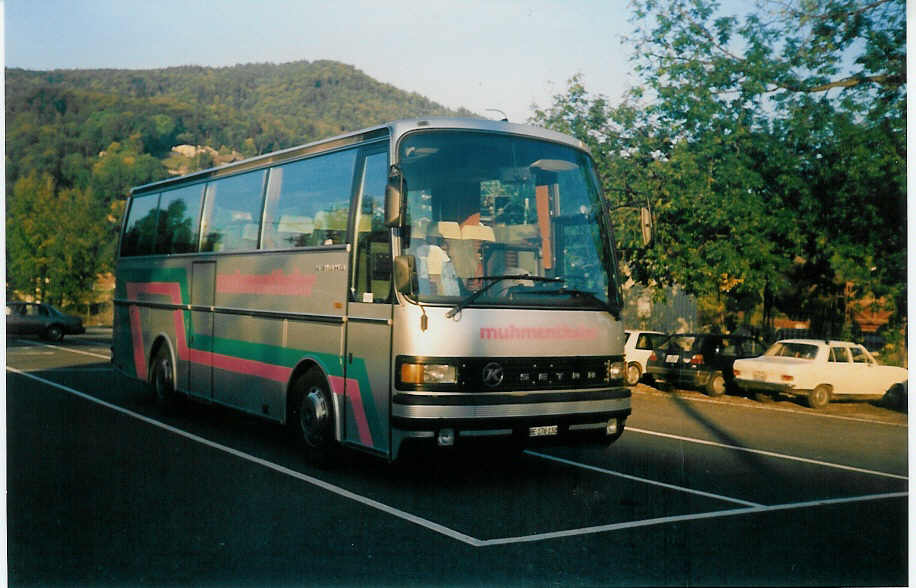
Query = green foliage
x=78 y=140
x=772 y=147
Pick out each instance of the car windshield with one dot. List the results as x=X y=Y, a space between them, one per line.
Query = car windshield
x=796 y=350
x=485 y=208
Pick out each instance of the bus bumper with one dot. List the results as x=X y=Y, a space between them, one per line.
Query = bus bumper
x=527 y=419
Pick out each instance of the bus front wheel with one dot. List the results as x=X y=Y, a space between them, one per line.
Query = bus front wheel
x=312 y=416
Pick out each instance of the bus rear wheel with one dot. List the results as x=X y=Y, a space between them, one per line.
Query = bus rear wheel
x=162 y=382
x=312 y=416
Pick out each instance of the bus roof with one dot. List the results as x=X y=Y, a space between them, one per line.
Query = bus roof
x=394 y=129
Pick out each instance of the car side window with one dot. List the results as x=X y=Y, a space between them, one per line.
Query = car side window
x=839 y=355
x=752 y=348
x=644 y=342
x=859 y=355
x=728 y=348
x=43 y=311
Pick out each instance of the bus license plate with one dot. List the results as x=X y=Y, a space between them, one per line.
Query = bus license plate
x=545 y=431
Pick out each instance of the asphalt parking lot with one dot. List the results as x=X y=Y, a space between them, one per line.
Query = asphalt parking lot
x=102 y=489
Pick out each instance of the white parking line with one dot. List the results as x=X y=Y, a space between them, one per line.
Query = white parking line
x=769 y=453
x=436 y=527
x=33 y=344
x=467 y=539
x=643 y=480
x=769 y=408
x=682 y=518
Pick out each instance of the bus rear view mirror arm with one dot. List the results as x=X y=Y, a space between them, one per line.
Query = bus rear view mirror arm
x=405 y=274
x=394 y=197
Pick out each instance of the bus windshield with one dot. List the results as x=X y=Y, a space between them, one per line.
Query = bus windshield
x=485 y=211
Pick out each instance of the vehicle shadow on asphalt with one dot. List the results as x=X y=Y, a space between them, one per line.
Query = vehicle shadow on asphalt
x=754 y=461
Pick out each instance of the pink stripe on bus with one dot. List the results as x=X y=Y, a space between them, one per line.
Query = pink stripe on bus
x=170 y=289
x=137 y=338
x=276 y=373
x=339 y=385
x=275 y=283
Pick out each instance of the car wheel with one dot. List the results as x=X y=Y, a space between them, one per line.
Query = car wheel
x=312 y=417
x=634 y=373
x=54 y=333
x=716 y=385
x=819 y=397
x=162 y=381
x=895 y=397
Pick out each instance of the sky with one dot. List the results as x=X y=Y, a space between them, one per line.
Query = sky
x=477 y=54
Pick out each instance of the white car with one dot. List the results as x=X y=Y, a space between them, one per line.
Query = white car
x=820 y=371
x=637 y=350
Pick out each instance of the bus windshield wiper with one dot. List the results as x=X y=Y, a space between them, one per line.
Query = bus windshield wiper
x=582 y=294
x=493 y=281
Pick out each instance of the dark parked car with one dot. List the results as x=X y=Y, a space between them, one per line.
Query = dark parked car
x=32 y=318
x=702 y=361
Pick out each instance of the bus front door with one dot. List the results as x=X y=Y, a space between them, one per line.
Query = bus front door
x=369 y=311
x=200 y=343
x=368 y=367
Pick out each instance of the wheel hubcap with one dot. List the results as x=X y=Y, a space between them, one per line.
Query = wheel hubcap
x=314 y=417
x=718 y=385
x=163 y=378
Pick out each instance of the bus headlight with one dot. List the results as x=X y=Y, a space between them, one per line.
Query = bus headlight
x=429 y=373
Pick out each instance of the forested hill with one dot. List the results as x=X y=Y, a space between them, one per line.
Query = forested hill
x=252 y=109
x=79 y=139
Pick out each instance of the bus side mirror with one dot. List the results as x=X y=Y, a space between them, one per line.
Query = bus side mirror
x=405 y=275
x=645 y=225
x=394 y=197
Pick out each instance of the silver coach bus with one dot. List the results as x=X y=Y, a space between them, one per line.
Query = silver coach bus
x=443 y=280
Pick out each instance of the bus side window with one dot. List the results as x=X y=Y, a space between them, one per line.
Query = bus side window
x=179 y=216
x=372 y=265
x=140 y=229
x=308 y=202
x=233 y=212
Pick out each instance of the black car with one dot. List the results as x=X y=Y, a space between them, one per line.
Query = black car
x=701 y=360
x=33 y=318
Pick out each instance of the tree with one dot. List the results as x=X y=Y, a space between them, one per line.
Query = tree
x=772 y=146
x=81 y=250
x=31 y=234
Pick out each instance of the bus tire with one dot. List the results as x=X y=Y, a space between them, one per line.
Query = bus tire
x=312 y=417
x=162 y=381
